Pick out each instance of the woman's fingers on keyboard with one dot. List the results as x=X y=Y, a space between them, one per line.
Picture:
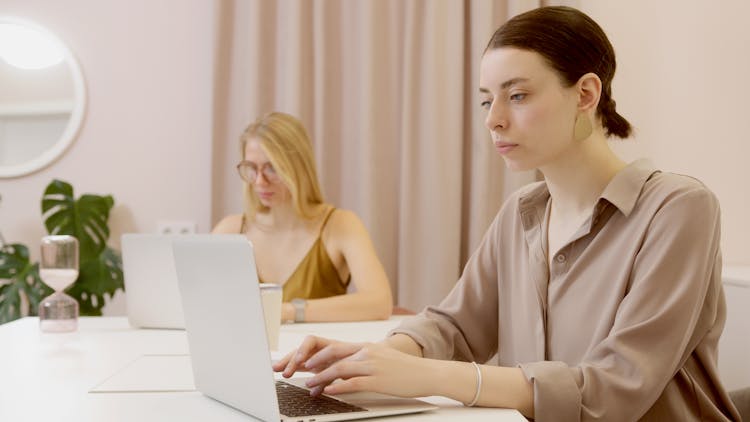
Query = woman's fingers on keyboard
x=332 y=353
x=315 y=354
x=343 y=369
x=351 y=385
x=282 y=363
x=316 y=391
x=296 y=360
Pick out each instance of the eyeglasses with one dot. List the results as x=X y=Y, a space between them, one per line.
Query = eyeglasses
x=249 y=172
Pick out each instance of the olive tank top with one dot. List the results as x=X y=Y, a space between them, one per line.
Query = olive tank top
x=315 y=276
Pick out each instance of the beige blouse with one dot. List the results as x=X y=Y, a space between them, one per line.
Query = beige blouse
x=623 y=326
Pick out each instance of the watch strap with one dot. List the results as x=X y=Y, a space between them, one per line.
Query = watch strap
x=299 y=309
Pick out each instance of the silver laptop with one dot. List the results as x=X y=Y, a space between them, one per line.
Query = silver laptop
x=151 y=293
x=228 y=345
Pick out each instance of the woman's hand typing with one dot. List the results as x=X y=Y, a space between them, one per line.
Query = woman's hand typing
x=358 y=367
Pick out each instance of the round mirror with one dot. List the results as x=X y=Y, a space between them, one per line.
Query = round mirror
x=42 y=97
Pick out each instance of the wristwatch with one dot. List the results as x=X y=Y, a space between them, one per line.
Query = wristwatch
x=299 y=309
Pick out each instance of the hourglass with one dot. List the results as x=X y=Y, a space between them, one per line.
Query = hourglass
x=59 y=269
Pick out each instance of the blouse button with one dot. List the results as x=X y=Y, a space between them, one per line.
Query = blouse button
x=560 y=258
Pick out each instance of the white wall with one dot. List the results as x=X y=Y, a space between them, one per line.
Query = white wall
x=146 y=135
x=682 y=80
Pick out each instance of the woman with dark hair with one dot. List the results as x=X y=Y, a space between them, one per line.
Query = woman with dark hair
x=598 y=289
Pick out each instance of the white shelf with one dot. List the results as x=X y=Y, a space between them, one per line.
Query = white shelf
x=39 y=108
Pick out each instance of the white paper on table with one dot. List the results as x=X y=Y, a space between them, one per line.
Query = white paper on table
x=150 y=373
x=161 y=373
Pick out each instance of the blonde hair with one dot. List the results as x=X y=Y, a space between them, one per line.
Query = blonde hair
x=284 y=140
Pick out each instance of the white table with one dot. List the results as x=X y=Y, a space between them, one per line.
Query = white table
x=46 y=377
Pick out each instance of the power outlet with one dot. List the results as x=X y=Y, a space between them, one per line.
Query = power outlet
x=176 y=227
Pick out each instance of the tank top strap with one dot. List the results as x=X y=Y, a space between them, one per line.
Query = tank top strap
x=242 y=226
x=325 y=221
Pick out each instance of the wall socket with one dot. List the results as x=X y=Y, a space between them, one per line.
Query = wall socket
x=176 y=227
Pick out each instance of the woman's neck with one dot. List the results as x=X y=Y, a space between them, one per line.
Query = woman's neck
x=576 y=179
x=282 y=217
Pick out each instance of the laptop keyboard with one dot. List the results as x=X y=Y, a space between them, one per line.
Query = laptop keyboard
x=296 y=401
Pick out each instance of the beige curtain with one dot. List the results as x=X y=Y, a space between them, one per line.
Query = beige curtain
x=388 y=91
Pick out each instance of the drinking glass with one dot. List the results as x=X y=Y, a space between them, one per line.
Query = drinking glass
x=271 y=296
x=59 y=269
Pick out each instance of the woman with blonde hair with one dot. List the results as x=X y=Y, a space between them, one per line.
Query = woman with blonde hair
x=304 y=244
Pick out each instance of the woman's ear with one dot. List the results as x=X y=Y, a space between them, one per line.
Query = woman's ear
x=589 y=89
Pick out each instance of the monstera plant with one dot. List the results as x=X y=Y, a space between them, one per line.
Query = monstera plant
x=100 y=267
x=22 y=280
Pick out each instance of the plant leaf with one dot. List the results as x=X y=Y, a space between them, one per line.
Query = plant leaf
x=23 y=279
x=96 y=279
x=10 y=302
x=85 y=218
x=13 y=259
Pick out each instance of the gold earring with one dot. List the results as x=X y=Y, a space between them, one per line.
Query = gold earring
x=582 y=128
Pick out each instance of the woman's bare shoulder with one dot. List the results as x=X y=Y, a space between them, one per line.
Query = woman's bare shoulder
x=229 y=224
x=344 y=223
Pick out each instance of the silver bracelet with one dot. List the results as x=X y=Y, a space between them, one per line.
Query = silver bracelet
x=479 y=386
